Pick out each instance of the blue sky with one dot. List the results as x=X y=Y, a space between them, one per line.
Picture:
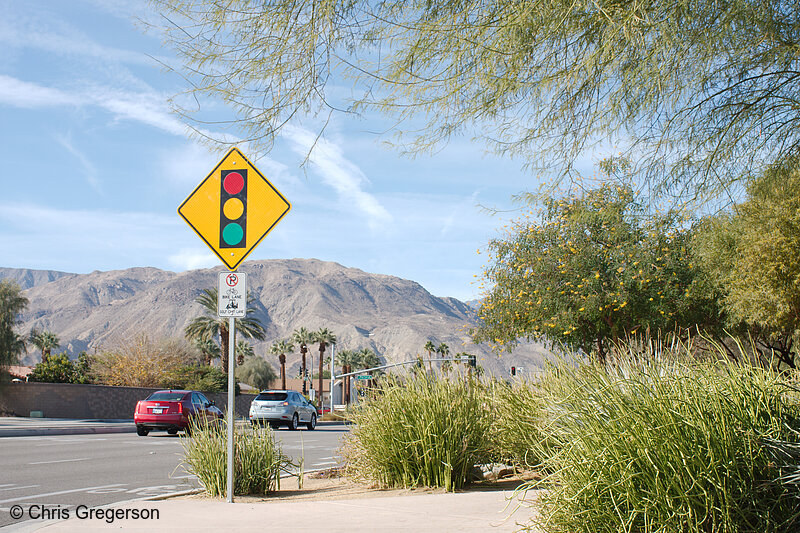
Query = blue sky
x=95 y=166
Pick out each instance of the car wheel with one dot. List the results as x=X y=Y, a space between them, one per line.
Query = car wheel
x=188 y=430
x=312 y=423
x=142 y=431
x=294 y=423
x=274 y=425
x=172 y=431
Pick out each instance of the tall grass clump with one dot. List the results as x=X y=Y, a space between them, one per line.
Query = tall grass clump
x=669 y=446
x=258 y=459
x=516 y=434
x=419 y=431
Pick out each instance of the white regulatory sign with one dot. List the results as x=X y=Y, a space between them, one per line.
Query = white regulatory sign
x=232 y=295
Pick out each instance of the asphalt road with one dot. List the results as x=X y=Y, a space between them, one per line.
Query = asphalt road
x=62 y=472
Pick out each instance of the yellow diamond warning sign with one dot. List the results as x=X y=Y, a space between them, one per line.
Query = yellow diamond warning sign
x=234 y=208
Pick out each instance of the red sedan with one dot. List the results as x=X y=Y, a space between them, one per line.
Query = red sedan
x=171 y=410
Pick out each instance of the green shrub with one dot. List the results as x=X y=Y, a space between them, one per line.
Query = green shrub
x=58 y=368
x=668 y=446
x=420 y=432
x=258 y=459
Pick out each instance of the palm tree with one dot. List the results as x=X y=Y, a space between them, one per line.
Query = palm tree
x=302 y=337
x=430 y=348
x=368 y=359
x=443 y=350
x=243 y=349
x=208 y=349
x=324 y=337
x=346 y=359
x=281 y=348
x=44 y=341
x=209 y=325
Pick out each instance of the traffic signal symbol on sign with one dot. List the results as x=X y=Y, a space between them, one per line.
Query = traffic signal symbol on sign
x=234 y=208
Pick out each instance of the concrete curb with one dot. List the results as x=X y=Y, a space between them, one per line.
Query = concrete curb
x=86 y=430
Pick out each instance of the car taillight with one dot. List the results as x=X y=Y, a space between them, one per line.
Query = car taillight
x=180 y=407
x=138 y=407
x=285 y=404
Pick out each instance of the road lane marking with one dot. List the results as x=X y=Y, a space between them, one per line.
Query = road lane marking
x=60 y=461
x=19 y=488
x=325 y=463
x=60 y=492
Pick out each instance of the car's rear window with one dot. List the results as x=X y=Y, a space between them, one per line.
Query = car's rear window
x=167 y=396
x=272 y=396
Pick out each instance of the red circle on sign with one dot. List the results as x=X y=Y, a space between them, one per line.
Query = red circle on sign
x=234 y=183
x=232 y=280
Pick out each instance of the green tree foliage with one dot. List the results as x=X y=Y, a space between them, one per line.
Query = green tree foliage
x=45 y=341
x=243 y=350
x=60 y=369
x=209 y=326
x=302 y=337
x=324 y=337
x=202 y=378
x=12 y=303
x=701 y=91
x=208 y=349
x=347 y=359
x=591 y=268
x=257 y=372
x=281 y=348
x=752 y=255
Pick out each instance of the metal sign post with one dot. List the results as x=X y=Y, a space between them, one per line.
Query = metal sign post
x=231 y=303
x=232 y=210
x=231 y=402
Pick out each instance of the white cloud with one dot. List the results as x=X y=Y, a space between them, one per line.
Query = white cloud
x=90 y=171
x=145 y=107
x=337 y=171
x=192 y=258
x=20 y=93
x=21 y=28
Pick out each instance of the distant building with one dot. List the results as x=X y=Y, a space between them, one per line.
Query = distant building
x=20 y=372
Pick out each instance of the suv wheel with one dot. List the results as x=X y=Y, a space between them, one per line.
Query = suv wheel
x=294 y=423
x=142 y=431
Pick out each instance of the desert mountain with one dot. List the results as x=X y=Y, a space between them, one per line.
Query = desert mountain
x=392 y=316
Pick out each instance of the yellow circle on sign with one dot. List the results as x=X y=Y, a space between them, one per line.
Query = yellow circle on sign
x=233 y=208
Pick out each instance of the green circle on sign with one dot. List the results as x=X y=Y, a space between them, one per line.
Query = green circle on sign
x=232 y=234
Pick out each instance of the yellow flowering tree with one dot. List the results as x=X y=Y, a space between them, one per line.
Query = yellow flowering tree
x=587 y=269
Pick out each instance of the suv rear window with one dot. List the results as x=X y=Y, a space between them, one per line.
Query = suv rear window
x=167 y=396
x=272 y=396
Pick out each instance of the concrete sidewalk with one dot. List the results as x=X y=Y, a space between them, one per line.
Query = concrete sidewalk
x=27 y=427
x=465 y=511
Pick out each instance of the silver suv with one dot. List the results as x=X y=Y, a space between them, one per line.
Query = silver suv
x=278 y=407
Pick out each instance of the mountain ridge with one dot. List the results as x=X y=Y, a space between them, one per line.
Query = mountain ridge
x=395 y=317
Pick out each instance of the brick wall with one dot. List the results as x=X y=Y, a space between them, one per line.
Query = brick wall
x=67 y=400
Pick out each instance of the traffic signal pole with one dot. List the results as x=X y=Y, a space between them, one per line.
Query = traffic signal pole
x=231 y=403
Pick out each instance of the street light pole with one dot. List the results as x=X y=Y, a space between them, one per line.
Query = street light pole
x=333 y=356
